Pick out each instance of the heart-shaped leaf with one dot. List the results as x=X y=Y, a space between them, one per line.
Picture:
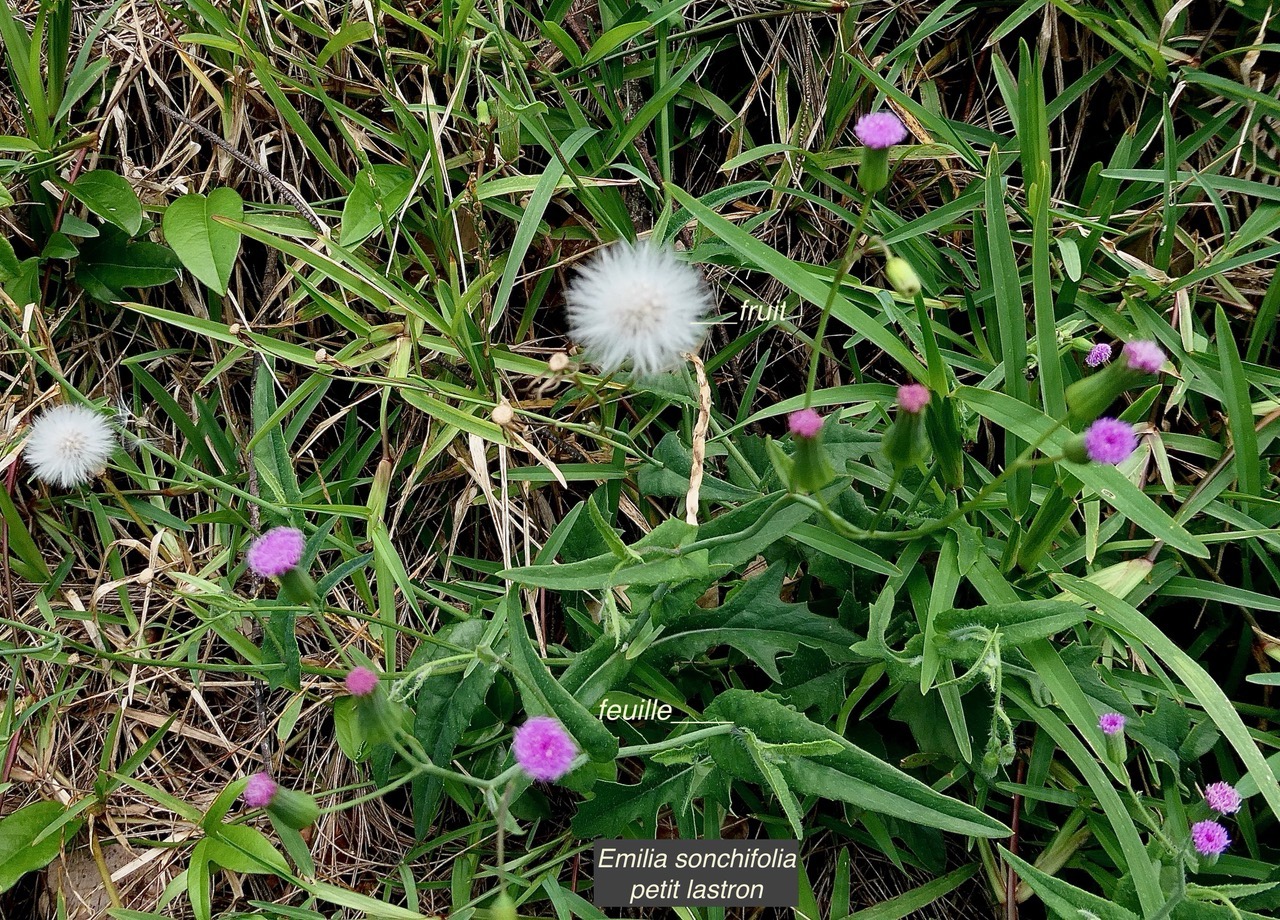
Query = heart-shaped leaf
x=208 y=249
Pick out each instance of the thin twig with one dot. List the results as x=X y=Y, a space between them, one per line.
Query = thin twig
x=285 y=190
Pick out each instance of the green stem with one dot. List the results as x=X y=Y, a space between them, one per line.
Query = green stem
x=677 y=741
x=885 y=499
x=846 y=263
x=737 y=536
x=346 y=804
x=502 y=834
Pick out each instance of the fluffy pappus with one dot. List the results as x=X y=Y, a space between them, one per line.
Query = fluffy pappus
x=637 y=304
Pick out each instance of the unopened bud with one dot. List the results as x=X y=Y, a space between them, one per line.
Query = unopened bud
x=902 y=277
x=1075 y=450
x=873 y=173
x=294 y=809
x=503 y=908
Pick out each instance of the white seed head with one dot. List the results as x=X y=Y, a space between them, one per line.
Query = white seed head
x=638 y=305
x=69 y=445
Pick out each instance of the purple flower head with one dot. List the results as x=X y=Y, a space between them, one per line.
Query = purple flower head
x=804 y=423
x=260 y=790
x=913 y=397
x=1144 y=355
x=1098 y=354
x=276 y=551
x=543 y=749
x=1111 y=723
x=1110 y=440
x=361 y=682
x=880 y=130
x=1210 y=838
x=1222 y=798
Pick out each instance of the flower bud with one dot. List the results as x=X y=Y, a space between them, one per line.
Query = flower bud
x=902 y=277
x=907 y=441
x=293 y=808
x=504 y=908
x=873 y=173
x=299 y=588
x=1075 y=450
x=810 y=468
x=877 y=132
x=1090 y=396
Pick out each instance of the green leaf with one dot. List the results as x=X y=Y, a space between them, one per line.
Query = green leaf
x=911 y=902
x=668 y=475
x=757 y=622
x=9 y=264
x=30 y=563
x=1018 y=623
x=207 y=248
x=111 y=197
x=549 y=697
x=111 y=263
x=445 y=706
x=615 y=38
x=842 y=548
x=240 y=848
x=1063 y=898
x=59 y=246
x=1235 y=386
x=280 y=646
x=377 y=194
x=767 y=764
x=1033 y=140
x=371 y=907
x=20 y=852
x=853 y=776
x=347 y=730
x=615 y=808
x=606 y=570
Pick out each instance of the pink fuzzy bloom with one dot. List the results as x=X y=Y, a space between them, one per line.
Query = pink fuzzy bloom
x=880 y=130
x=276 y=551
x=361 y=682
x=1110 y=440
x=1210 y=838
x=543 y=749
x=1144 y=355
x=260 y=791
x=913 y=397
x=1111 y=723
x=804 y=423
x=1222 y=798
x=1098 y=354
